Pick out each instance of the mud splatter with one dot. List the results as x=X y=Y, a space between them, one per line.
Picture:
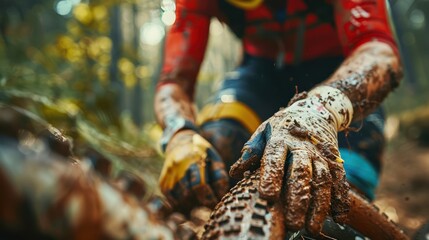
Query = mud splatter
x=297 y=196
x=272 y=168
x=367 y=77
x=297 y=97
x=321 y=196
x=340 y=202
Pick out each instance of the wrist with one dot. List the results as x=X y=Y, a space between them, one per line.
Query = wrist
x=174 y=125
x=335 y=102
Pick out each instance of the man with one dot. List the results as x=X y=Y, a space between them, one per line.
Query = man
x=340 y=51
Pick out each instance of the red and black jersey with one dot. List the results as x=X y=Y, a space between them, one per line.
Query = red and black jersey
x=290 y=31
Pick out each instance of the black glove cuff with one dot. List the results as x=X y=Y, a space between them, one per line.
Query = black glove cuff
x=173 y=125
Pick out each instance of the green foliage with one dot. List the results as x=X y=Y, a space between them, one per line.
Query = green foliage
x=59 y=68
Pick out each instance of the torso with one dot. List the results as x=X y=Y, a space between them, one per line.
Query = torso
x=284 y=30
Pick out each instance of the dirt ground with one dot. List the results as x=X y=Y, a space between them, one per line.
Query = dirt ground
x=403 y=193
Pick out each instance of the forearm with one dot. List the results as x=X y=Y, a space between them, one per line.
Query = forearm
x=184 y=52
x=367 y=76
x=185 y=45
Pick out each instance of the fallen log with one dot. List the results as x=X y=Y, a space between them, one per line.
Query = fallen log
x=43 y=195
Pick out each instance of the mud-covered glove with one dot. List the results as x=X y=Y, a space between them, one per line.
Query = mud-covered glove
x=302 y=136
x=193 y=172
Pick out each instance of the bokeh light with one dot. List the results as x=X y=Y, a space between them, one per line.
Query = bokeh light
x=82 y=12
x=65 y=7
x=168 y=5
x=152 y=33
x=168 y=18
x=417 y=19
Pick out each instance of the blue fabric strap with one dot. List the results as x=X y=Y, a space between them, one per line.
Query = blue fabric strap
x=360 y=172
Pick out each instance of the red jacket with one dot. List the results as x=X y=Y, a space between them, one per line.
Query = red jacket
x=296 y=29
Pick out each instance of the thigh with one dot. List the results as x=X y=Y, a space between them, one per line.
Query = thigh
x=253 y=85
x=238 y=108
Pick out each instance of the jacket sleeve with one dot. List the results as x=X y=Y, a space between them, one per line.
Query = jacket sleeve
x=362 y=21
x=186 y=43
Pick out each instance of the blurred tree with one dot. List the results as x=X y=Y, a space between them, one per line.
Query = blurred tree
x=137 y=96
x=410 y=21
x=116 y=38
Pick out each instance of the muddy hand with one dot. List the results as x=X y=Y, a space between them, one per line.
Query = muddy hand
x=192 y=170
x=315 y=181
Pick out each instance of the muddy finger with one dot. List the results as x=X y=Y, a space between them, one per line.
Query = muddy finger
x=219 y=179
x=205 y=195
x=321 y=196
x=340 y=202
x=252 y=152
x=200 y=188
x=272 y=168
x=179 y=194
x=298 y=189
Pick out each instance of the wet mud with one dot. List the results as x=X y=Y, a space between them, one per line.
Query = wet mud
x=340 y=198
x=315 y=182
x=297 y=197
x=272 y=168
x=321 y=197
x=367 y=77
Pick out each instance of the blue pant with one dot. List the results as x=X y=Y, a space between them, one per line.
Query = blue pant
x=263 y=87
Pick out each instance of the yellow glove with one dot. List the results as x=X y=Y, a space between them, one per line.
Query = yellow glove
x=192 y=171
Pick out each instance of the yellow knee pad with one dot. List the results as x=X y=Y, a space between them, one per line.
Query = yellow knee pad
x=231 y=110
x=246 y=4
